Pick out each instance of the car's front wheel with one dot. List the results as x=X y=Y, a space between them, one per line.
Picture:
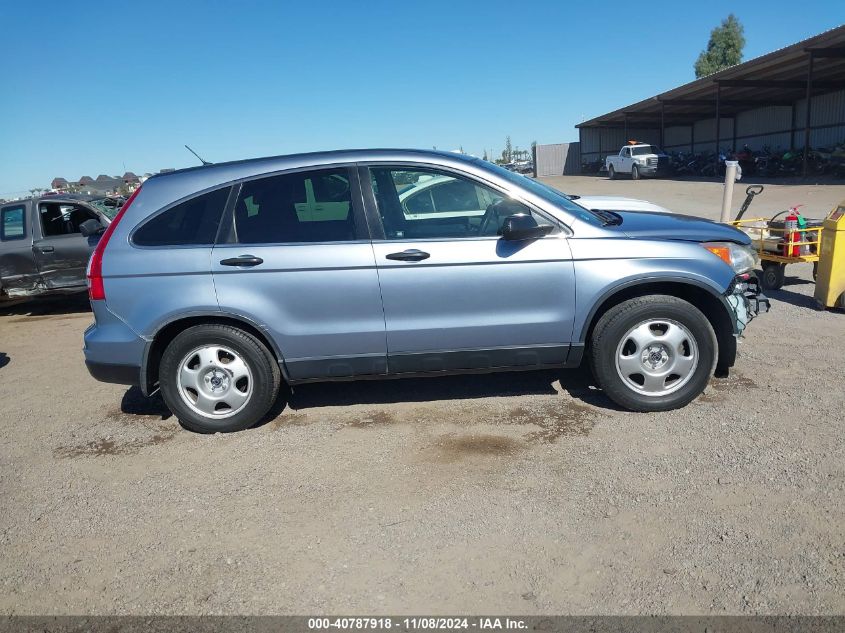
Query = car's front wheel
x=635 y=172
x=218 y=378
x=653 y=353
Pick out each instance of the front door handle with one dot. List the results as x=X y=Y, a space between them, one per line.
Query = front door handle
x=410 y=255
x=242 y=260
x=45 y=249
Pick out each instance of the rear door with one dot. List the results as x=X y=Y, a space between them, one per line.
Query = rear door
x=456 y=295
x=61 y=253
x=298 y=262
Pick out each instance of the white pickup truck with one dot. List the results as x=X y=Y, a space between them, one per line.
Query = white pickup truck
x=638 y=159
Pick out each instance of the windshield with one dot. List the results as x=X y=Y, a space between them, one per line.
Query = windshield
x=550 y=194
x=107 y=206
x=642 y=150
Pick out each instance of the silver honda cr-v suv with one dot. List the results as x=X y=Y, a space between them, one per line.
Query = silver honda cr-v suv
x=215 y=284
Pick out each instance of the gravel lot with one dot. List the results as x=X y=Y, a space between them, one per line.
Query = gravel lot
x=512 y=493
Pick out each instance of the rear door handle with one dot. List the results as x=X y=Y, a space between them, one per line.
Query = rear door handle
x=45 y=249
x=410 y=255
x=242 y=260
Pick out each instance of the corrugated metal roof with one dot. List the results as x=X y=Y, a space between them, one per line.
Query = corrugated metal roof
x=697 y=99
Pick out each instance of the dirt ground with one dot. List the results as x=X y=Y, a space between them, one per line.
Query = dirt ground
x=520 y=493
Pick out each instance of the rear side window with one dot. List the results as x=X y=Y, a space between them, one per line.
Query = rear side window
x=193 y=222
x=310 y=206
x=12 y=223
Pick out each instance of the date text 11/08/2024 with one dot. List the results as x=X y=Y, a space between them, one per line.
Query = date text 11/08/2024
x=417 y=623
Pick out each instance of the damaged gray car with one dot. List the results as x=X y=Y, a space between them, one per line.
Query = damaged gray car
x=45 y=244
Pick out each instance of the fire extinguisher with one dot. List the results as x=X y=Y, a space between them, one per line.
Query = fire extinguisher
x=791 y=234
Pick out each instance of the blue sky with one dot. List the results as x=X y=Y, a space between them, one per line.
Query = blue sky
x=91 y=88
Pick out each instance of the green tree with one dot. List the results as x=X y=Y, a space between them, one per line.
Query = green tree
x=724 y=48
x=507 y=153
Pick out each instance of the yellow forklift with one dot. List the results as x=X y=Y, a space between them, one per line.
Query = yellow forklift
x=830 y=282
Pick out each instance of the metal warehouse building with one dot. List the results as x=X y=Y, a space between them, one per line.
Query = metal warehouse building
x=763 y=101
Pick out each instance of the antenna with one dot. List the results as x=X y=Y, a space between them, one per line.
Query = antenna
x=204 y=162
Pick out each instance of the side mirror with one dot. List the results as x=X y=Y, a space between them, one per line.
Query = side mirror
x=523 y=226
x=91 y=227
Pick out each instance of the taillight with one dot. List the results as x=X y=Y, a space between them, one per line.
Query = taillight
x=96 y=289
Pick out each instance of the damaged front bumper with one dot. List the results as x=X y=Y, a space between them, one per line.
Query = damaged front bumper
x=746 y=300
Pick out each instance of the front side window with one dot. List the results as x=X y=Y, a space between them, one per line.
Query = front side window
x=547 y=193
x=12 y=223
x=441 y=195
x=423 y=204
x=62 y=219
x=193 y=222
x=311 y=206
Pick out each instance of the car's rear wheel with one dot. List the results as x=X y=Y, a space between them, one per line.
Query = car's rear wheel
x=611 y=172
x=218 y=378
x=653 y=353
x=635 y=172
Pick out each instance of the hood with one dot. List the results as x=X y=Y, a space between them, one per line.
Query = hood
x=670 y=226
x=618 y=203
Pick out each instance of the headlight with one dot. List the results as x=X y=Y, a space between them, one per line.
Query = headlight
x=740 y=258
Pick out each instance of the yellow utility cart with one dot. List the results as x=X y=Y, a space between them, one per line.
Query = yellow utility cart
x=778 y=246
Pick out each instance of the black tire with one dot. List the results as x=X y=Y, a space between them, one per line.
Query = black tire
x=635 y=172
x=264 y=370
x=611 y=331
x=611 y=173
x=773 y=275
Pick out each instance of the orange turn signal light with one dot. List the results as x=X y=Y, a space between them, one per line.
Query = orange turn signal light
x=722 y=252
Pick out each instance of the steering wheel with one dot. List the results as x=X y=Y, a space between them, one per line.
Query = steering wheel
x=495 y=212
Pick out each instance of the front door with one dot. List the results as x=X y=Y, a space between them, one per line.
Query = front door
x=626 y=162
x=299 y=263
x=456 y=295
x=18 y=272
x=61 y=253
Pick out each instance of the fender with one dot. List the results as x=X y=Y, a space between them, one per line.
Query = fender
x=211 y=316
x=652 y=279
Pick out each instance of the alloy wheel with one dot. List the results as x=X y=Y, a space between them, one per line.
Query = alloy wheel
x=657 y=357
x=214 y=381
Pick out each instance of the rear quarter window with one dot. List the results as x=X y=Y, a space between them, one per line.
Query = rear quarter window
x=190 y=223
x=12 y=223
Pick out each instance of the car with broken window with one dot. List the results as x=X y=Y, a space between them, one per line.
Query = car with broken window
x=45 y=243
x=217 y=284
